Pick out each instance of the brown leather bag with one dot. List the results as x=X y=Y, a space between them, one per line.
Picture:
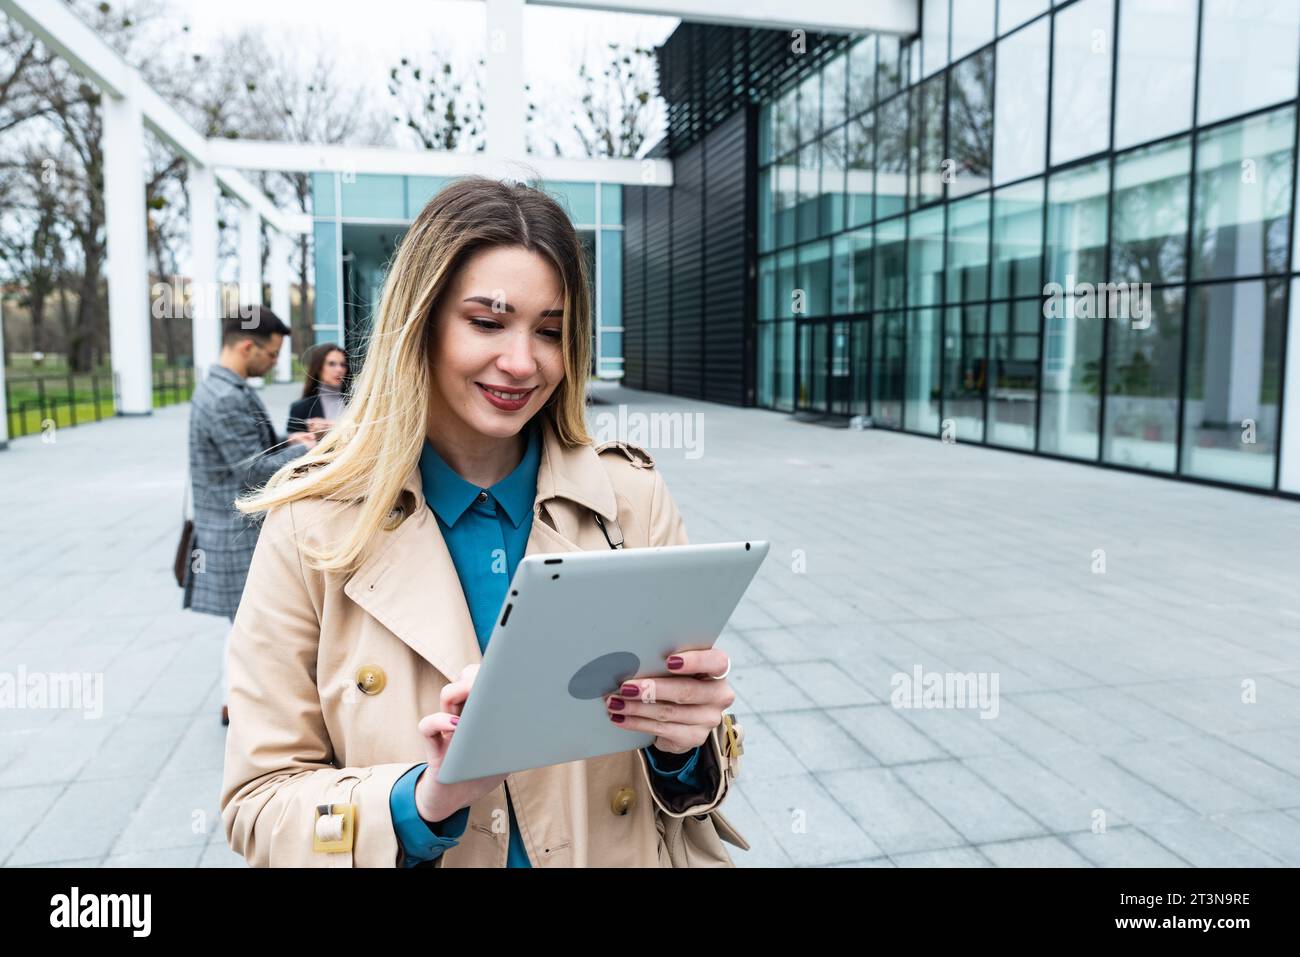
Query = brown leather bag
x=185 y=546
x=696 y=840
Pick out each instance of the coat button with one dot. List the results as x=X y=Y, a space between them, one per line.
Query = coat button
x=623 y=801
x=482 y=497
x=371 y=679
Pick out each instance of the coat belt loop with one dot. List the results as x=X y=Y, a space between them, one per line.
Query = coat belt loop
x=617 y=531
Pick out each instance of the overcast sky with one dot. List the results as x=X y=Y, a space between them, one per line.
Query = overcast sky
x=368 y=37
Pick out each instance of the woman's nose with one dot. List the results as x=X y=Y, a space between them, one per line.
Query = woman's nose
x=518 y=359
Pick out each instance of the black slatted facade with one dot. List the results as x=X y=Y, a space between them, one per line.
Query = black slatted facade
x=688 y=292
x=689 y=250
x=728 y=294
x=656 y=355
x=687 y=275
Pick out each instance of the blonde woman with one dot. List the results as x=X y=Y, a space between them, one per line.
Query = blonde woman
x=379 y=572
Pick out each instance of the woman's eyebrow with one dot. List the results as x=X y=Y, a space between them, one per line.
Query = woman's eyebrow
x=496 y=305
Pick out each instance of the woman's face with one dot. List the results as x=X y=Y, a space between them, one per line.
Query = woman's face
x=498 y=328
x=334 y=369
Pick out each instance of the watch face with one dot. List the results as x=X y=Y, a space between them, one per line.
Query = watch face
x=603 y=675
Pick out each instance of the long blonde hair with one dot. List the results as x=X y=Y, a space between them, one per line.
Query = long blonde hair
x=376 y=443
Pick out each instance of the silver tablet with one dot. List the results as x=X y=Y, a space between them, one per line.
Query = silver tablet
x=573 y=627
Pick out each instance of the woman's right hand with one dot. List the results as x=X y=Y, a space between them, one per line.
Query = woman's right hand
x=437 y=802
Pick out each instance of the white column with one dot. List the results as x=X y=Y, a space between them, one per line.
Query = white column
x=4 y=408
x=127 y=266
x=205 y=323
x=504 y=103
x=250 y=257
x=280 y=246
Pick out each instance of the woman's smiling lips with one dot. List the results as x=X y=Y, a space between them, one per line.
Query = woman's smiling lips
x=497 y=395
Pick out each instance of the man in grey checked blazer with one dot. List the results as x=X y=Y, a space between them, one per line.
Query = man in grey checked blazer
x=233 y=448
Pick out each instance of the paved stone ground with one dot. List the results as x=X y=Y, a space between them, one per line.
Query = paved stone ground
x=1160 y=697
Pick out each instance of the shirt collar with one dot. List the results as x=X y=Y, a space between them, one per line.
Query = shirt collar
x=221 y=372
x=449 y=495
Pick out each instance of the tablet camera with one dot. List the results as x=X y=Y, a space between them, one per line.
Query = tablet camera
x=600 y=676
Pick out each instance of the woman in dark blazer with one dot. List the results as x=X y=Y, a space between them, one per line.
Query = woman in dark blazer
x=322 y=399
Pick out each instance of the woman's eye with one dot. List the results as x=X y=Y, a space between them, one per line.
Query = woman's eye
x=554 y=335
x=485 y=323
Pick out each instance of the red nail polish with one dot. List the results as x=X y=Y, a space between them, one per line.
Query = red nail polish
x=455 y=720
x=675 y=663
x=616 y=704
x=630 y=691
x=616 y=718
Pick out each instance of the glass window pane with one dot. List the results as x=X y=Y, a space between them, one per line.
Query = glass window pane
x=812 y=367
x=832 y=186
x=1012 y=13
x=785 y=284
x=891 y=157
x=785 y=199
x=964 y=375
x=1071 y=380
x=783 y=386
x=766 y=288
x=833 y=90
x=1230 y=414
x=889 y=260
x=1076 y=225
x=1081 y=63
x=860 y=352
x=934 y=36
x=1020 y=104
x=814 y=279
x=766 y=210
x=765 y=365
x=1157 y=54
x=1013 y=389
x=1248 y=56
x=810 y=108
x=927 y=140
x=1150 y=217
x=862 y=74
x=766 y=121
x=968 y=249
x=889 y=67
x=859 y=180
x=925 y=258
x=851 y=272
x=809 y=189
x=970 y=125
x=1142 y=372
x=921 y=386
x=1018 y=240
x=840 y=379
x=972 y=26
x=1243 y=197
x=786 y=131
x=887 y=370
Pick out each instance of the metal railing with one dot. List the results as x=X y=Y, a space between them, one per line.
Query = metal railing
x=36 y=403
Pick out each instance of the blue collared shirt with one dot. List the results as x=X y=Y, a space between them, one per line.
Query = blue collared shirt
x=486 y=531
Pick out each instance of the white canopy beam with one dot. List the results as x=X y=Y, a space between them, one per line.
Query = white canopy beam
x=307 y=158
x=828 y=16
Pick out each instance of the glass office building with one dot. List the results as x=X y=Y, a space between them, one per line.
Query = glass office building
x=358 y=220
x=1061 y=228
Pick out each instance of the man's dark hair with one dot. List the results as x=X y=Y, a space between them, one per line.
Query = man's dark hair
x=252 y=322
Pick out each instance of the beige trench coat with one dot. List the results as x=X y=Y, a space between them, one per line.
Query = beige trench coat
x=302 y=735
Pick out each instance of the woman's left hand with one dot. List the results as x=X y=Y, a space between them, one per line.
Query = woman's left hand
x=682 y=707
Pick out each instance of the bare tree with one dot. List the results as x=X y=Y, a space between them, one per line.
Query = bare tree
x=616 y=113
x=439 y=105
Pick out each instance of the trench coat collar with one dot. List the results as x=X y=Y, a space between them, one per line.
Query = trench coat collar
x=410 y=585
x=573 y=473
